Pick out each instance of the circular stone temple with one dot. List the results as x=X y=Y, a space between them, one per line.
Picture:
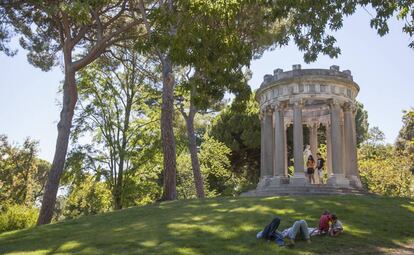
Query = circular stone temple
x=315 y=99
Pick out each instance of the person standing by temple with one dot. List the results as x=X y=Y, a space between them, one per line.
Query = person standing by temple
x=310 y=164
x=319 y=167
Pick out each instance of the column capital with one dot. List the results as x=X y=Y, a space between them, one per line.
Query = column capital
x=269 y=109
x=312 y=124
x=266 y=110
x=280 y=106
x=261 y=115
x=348 y=107
x=333 y=102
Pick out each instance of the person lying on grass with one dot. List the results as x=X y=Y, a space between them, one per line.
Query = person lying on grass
x=336 y=226
x=298 y=229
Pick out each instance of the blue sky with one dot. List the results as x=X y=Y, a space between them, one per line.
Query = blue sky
x=382 y=66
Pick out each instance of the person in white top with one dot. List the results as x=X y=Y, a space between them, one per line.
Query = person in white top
x=336 y=227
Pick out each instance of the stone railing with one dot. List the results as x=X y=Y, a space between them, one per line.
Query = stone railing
x=296 y=71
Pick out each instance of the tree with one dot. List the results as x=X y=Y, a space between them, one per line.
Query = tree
x=361 y=123
x=5 y=34
x=52 y=27
x=22 y=173
x=179 y=33
x=238 y=127
x=405 y=140
x=204 y=91
x=168 y=83
x=374 y=146
x=115 y=102
x=192 y=141
x=215 y=168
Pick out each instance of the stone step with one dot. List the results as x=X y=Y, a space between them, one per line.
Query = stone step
x=305 y=190
x=270 y=194
x=312 y=190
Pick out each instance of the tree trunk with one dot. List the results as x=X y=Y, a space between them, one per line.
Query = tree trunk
x=192 y=146
x=167 y=132
x=119 y=184
x=70 y=97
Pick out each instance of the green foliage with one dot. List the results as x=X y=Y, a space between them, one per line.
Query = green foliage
x=17 y=217
x=89 y=197
x=238 y=127
x=185 y=179
x=385 y=10
x=375 y=136
x=310 y=33
x=215 y=168
x=118 y=112
x=22 y=174
x=142 y=186
x=246 y=27
x=384 y=172
x=361 y=123
x=48 y=27
x=405 y=139
x=383 y=169
x=6 y=33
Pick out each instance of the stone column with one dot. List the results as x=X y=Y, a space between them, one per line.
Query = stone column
x=279 y=155
x=344 y=154
x=313 y=139
x=350 y=146
x=328 y=150
x=266 y=166
x=286 y=152
x=338 y=177
x=299 y=176
x=262 y=142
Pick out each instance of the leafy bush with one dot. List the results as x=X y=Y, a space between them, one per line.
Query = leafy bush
x=89 y=197
x=385 y=172
x=17 y=217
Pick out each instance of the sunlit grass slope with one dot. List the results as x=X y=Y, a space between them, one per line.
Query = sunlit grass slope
x=373 y=225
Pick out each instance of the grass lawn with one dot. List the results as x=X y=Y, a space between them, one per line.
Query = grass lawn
x=373 y=225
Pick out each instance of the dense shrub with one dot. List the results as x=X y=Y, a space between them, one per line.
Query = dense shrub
x=17 y=217
x=88 y=198
x=385 y=172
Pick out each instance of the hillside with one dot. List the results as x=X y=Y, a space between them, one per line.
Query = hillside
x=373 y=225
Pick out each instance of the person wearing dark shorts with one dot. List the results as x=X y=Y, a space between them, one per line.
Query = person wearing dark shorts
x=310 y=164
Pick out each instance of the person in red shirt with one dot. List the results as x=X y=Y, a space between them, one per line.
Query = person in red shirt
x=324 y=221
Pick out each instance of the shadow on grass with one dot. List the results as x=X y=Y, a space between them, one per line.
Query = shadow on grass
x=373 y=225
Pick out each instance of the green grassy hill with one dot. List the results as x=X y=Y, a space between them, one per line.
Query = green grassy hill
x=373 y=225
